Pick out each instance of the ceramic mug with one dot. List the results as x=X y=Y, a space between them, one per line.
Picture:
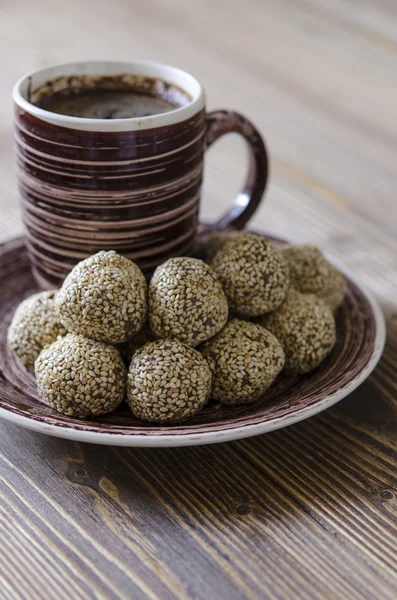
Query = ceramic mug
x=132 y=185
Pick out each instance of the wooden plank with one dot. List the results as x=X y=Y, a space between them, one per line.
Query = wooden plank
x=371 y=20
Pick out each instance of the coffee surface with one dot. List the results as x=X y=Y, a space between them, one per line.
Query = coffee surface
x=122 y=96
x=106 y=104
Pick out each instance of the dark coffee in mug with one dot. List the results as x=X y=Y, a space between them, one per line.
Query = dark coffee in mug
x=119 y=97
x=110 y=157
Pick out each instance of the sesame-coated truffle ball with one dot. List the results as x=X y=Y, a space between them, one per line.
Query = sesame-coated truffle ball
x=79 y=377
x=34 y=325
x=104 y=298
x=167 y=382
x=244 y=359
x=311 y=273
x=208 y=245
x=305 y=327
x=253 y=274
x=186 y=301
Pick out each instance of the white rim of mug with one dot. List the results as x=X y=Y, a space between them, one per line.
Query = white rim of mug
x=168 y=73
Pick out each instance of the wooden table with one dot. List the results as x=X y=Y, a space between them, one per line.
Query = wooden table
x=306 y=512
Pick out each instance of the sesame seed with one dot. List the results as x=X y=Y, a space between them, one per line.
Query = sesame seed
x=186 y=301
x=253 y=273
x=165 y=396
x=305 y=326
x=111 y=282
x=244 y=359
x=35 y=324
x=85 y=394
x=311 y=273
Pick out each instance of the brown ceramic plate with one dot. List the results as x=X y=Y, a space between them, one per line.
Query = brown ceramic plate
x=360 y=341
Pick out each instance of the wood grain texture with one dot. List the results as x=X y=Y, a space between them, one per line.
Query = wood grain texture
x=305 y=512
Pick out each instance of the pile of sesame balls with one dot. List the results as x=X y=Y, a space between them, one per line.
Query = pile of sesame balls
x=222 y=325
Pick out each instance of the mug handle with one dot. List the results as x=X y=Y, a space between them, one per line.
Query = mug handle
x=220 y=122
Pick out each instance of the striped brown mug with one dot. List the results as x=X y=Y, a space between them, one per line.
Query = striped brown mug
x=110 y=156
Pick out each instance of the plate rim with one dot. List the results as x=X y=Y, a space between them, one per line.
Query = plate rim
x=230 y=434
